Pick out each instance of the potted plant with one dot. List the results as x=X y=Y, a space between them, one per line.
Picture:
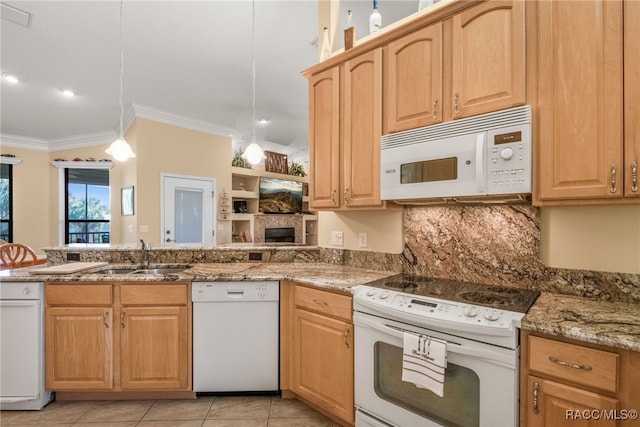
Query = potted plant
x=296 y=169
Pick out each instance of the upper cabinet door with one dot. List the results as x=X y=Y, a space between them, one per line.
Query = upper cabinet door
x=362 y=118
x=632 y=97
x=324 y=139
x=488 y=58
x=413 y=80
x=580 y=100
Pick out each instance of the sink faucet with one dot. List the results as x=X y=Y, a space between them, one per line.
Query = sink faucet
x=145 y=254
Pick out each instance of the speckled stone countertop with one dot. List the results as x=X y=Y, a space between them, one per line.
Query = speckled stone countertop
x=323 y=275
x=613 y=324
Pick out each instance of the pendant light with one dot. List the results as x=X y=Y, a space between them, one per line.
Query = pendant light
x=120 y=149
x=254 y=153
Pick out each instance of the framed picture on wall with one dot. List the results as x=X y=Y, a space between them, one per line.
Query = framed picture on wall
x=126 y=201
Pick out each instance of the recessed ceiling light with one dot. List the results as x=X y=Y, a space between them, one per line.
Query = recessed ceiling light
x=263 y=121
x=68 y=93
x=10 y=78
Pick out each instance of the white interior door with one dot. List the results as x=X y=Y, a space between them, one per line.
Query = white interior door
x=188 y=209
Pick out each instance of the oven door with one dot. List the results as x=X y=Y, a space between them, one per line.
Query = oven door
x=481 y=380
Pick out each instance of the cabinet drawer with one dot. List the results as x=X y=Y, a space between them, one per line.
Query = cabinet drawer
x=71 y=295
x=324 y=302
x=575 y=363
x=154 y=294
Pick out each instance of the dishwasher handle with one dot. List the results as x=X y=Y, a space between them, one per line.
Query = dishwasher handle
x=235 y=294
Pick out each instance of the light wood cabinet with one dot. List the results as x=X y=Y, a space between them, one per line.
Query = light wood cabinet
x=345 y=124
x=79 y=348
x=564 y=383
x=362 y=128
x=488 y=58
x=588 y=97
x=153 y=348
x=324 y=139
x=154 y=337
x=317 y=349
x=413 y=80
x=118 y=337
x=554 y=404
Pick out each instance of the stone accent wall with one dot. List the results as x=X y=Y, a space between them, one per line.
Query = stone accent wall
x=260 y=222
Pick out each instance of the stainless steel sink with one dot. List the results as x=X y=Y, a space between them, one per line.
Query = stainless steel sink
x=112 y=271
x=138 y=270
x=165 y=270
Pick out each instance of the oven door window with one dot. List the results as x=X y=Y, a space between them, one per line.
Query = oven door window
x=460 y=405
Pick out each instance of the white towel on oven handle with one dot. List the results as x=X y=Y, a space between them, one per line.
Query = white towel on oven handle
x=424 y=361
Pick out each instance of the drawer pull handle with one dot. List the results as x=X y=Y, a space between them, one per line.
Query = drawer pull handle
x=320 y=302
x=569 y=365
x=536 y=390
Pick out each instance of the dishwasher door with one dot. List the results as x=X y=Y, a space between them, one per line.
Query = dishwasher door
x=236 y=337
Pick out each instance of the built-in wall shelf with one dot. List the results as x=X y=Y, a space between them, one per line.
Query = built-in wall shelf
x=245 y=197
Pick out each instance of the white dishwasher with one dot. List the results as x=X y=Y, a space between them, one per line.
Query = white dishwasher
x=22 y=346
x=236 y=337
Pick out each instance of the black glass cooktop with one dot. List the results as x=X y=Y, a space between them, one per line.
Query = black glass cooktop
x=501 y=297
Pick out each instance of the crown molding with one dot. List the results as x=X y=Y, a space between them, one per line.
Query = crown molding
x=145 y=112
x=17 y=141
x=80 y=141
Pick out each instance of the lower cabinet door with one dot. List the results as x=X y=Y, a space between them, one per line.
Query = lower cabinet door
x=154 y=348
x=552 y=404
x=323 y=363
x=79 y=348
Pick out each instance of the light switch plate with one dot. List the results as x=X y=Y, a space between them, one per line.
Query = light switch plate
x=337 y=238
x=362 y=240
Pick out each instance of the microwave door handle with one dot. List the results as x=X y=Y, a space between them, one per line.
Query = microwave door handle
x=480 y=162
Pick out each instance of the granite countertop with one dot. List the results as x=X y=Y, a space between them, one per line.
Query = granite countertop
x=592 y=321
x=323 y=275
x=613 y=324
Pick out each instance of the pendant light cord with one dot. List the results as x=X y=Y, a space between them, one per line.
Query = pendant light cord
x=121 y=66
x=253 y=69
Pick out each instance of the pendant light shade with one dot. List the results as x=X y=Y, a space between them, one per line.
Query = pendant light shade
x=253 y=153
x=120 y=148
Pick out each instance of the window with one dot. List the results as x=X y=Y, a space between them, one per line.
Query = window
x=87 y=205
x=6 y=202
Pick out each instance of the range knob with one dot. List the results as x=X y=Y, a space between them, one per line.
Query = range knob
x=384 y=295
x=492 y=315
x=470 y=311
x=371 y=292
x=507 y=153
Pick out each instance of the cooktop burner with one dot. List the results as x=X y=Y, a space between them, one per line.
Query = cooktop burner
x=503 y=297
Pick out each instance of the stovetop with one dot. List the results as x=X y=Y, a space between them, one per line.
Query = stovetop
x=498 y=297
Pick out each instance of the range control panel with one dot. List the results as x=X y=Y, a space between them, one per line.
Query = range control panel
x=433 y=308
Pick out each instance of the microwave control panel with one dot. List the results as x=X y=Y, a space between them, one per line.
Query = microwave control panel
x=509 y=160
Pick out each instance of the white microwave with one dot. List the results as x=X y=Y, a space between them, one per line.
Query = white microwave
x=484 y=159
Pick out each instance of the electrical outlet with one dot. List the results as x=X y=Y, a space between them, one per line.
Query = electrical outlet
x=362 y=240
x=337 y=238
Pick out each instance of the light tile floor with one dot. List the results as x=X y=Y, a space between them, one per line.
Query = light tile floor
x=205 y=411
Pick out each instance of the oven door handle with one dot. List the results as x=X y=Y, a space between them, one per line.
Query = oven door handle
x=452 y=347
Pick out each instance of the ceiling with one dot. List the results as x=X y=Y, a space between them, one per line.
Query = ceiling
x=185 y=62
